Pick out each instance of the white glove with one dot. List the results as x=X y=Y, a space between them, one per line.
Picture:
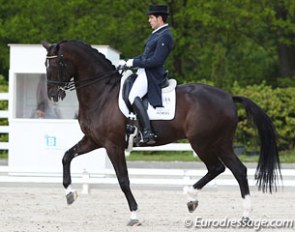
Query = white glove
x=121 y=63
x=129 y=63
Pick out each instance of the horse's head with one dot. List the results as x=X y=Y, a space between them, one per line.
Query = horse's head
x=73 y=64
x=58 y=73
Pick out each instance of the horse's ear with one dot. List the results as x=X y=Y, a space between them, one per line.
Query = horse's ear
x=46 y=45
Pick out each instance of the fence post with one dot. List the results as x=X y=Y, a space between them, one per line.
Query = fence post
x=85 y=185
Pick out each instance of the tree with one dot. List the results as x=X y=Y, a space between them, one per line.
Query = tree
x=285 y=36
x=219 y=41
x=95 y=22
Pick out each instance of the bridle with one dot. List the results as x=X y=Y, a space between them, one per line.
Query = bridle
x=70 y=85
x=62 y=70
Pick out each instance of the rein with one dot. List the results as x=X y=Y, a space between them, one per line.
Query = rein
x=71 y=84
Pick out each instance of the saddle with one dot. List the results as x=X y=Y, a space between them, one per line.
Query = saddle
x=167 y=112
x=127 y=86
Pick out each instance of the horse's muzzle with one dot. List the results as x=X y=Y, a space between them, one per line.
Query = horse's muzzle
x=54 y=94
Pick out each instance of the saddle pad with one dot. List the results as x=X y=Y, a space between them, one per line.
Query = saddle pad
x=160 y=113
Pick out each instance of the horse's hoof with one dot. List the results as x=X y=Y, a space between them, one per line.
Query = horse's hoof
x=134 y=222
x=71 y=197
x=192 y=205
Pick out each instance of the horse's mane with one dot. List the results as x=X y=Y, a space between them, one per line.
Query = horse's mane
x=100 y=57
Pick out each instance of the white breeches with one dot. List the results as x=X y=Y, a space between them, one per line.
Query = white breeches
x=140 y=86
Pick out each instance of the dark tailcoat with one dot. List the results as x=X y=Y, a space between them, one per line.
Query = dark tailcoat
x=156 y=51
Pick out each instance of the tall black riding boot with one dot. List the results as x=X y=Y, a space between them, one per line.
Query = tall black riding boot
x=148 y=136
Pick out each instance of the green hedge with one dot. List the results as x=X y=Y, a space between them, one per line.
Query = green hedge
x=3 y=106
x=278 y=103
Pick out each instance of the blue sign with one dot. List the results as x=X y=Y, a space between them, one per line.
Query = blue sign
x=50 y=141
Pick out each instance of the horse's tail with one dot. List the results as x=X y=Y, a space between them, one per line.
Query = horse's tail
x=268 y=168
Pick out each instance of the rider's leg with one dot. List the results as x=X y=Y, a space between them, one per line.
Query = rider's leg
x=147 y=135
x=139 y=89
x=140 y=86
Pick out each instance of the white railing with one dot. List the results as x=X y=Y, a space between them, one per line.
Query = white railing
x=140 y=176
x=3 y=128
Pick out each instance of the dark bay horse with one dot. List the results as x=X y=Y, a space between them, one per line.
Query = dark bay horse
x=205 y=115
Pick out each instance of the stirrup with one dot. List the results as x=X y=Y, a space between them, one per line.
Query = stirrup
x=148 y=137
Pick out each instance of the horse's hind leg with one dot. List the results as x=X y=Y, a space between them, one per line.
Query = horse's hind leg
x=117 y=157
x=239 y=170
x=214 y=166
x=83 y=146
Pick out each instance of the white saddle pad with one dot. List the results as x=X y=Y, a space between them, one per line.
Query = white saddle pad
x=159 y=113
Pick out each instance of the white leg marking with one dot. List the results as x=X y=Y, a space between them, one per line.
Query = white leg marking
x=69 y=189
x=133 y=215
x=191 y=192
x=247 y=206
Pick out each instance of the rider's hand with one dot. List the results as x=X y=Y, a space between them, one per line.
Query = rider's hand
x=129 y=63
x=121 y=64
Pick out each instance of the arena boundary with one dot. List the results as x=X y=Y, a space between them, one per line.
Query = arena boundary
x=4 y=129
x=138 y=176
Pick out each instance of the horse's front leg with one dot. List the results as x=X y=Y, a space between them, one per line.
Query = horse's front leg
x=117 y=157
x=85 y=145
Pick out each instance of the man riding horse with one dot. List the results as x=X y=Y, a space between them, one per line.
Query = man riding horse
x=205 y=115
x=151 y=72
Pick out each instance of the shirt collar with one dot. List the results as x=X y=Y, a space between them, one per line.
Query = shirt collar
x=165 y=25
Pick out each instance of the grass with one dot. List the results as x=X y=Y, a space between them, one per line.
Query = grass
x=162 y=156
x=285 y=157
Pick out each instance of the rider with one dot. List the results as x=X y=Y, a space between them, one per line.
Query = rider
x=151 y=73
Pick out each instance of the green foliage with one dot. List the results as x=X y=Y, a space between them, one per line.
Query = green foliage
x=220 y=41
x=95 y=22
x=3 y=154
x=3 y=106
x=3 y=84
x=3 y=89
x=278 y=103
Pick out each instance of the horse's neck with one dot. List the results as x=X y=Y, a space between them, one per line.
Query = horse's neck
x=97 y=95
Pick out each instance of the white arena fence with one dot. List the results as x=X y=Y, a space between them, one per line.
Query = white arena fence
x=3 y=128
x=138 y=176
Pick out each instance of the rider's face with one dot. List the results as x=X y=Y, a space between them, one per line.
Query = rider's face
x=155 y=22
